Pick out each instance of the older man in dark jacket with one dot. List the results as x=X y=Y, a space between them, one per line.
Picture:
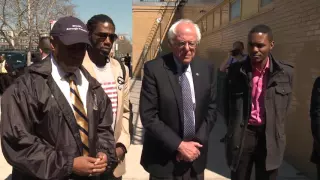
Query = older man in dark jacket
x=56 y=118
x=259 y=91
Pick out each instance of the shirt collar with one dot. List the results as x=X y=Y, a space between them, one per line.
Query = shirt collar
x=267 y=66
x=179 y=65
x=58 y=71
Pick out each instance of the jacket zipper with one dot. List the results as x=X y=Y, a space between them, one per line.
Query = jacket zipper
x=249 y=94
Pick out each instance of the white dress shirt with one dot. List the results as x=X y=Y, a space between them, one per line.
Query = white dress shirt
x=189 y=76
x=190 y=79
x=82 y=83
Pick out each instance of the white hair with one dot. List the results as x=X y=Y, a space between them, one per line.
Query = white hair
x=172 y=31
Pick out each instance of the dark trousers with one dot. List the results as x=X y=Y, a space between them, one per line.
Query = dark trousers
x=254 y=152
x=115 y=178
x=318 y=171
x=189 y=175
x=110 y=176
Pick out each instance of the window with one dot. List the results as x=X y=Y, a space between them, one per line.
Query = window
x=235 y=9
x=217 y=18
x=249 y=8
x=203 y=24
x=210 y=22
x=225 y=14
x=265 y=2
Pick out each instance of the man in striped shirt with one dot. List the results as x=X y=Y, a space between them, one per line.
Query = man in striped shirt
x=110 y=73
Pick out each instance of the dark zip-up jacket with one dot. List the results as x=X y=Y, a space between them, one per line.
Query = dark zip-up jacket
x=40 y=136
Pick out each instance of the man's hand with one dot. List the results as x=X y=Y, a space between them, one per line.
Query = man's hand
x=189 y=150
x=100 y=165
x=83 y=165
x=179 y=157
x=119 y=152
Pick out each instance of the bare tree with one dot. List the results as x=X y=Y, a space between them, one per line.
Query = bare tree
x=26 y=19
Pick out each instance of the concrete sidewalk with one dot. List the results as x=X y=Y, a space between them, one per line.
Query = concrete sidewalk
x=216 y=168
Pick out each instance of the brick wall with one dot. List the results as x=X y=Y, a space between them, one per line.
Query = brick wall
x=296 y=28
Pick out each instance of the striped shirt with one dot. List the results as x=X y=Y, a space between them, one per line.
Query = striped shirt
x=106 y=79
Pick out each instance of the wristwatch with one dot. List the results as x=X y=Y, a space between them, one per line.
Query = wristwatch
x=122 y=147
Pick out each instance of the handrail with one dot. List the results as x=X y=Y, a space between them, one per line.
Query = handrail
x=147 y=50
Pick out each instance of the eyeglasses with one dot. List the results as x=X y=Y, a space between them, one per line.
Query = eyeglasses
x=103 y=36
x=182 y=44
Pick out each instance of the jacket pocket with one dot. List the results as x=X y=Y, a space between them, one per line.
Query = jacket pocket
x=282 y=95
x=281 y=99
x=283 y=90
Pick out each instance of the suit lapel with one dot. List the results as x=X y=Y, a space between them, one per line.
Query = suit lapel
x=66 y=110
x=173 y=76
x=116 y=73
x=196 y=76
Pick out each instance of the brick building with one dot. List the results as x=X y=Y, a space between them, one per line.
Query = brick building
x=122 y=46
x=296 y=28
x=150 y=21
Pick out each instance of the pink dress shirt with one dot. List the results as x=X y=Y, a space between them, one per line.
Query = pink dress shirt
x=259 y=80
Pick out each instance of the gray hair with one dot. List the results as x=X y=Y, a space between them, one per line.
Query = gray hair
x=172 y=30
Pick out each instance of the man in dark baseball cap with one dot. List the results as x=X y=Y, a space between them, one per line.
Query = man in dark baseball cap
x=69 y=38
x=70 y=30
x=56 y=119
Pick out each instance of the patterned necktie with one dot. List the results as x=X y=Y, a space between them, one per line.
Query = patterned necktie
x=79 y=114
x=188 y=108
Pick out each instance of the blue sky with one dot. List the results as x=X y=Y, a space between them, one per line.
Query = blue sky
x=119 y=10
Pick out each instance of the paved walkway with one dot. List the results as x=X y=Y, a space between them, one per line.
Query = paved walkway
x=216 y=168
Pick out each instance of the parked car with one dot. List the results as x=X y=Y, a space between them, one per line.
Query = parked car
x=15 y=59
x=15 y=63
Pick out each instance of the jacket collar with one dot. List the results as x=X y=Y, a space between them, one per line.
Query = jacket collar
x=274 y=67
x=44 y=68
x=170 y=62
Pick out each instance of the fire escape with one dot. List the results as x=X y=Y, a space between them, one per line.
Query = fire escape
x=158 y=32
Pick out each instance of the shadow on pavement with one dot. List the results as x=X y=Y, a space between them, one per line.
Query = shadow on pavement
x=136 y=128
x=9 y=177
x=216 y=154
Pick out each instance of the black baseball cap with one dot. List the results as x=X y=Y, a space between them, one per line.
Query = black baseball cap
x=70 y=30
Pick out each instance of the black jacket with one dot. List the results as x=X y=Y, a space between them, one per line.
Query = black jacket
x=162 y=115
x=40 y=136
x=238 y=109
x=315 y=121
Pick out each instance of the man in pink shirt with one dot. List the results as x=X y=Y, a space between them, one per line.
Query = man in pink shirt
x=258 y=95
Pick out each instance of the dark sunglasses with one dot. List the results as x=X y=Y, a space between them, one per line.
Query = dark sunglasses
x=104 y=36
